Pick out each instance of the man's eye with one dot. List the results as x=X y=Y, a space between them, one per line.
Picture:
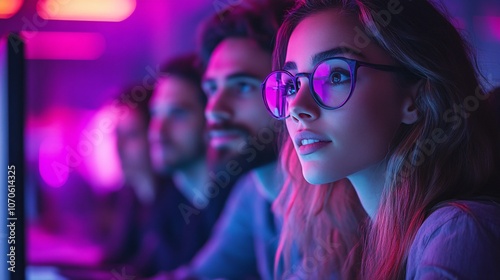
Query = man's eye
x=244 y=87
x=179 y=113
x=209 y=88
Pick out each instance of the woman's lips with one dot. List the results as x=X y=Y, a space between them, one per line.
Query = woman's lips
x=309 y=142
x=311 y=145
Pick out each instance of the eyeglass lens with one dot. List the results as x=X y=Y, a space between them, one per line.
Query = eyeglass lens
x=331 y=86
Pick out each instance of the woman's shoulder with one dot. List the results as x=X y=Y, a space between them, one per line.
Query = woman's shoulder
x=477 y=216
x=482 y=210
x=455 y=214
x=459 y=239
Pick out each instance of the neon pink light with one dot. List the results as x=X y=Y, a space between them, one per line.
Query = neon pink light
x=86 y=10
x=488 y=27
x=50 y=158
x=74 y=144
x=102 y=166
x=9 y=8
x=494 y=26
x=63 y=45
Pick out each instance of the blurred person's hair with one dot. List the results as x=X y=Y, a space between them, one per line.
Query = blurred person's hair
x=136 y=97
x=258 y=21
x=187 y=67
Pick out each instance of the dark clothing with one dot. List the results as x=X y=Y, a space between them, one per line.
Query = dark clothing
x=177 y=230
x=123 y=220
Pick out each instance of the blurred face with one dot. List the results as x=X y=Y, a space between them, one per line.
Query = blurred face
x=132 y=142
x=176 y=131
x=353 y=139
x=235 y=109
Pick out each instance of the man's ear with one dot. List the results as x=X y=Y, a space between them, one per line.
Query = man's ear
x=410 y=113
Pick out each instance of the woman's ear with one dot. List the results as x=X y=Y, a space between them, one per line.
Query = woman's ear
x=410 y=113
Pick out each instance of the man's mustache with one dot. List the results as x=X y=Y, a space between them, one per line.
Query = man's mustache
x=231 y=127
x=162 y=141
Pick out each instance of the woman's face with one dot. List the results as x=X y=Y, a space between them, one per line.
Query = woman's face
x=355 y=138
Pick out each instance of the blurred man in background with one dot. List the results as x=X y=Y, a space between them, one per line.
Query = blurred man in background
x=184 y=208
x=237 y=47
x=186 y=211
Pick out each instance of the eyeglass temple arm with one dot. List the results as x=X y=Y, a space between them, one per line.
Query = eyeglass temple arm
x=388 y=68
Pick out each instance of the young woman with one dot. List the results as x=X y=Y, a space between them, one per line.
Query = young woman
x=386 y=94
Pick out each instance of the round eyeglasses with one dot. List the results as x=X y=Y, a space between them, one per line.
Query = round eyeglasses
x=331 y=84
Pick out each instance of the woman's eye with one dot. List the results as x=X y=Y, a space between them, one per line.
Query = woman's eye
x=289 y=89
x=339 y=77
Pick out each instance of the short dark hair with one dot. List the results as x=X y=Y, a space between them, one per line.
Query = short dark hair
x=135 y=97
x=187 y=67
x=257 y=21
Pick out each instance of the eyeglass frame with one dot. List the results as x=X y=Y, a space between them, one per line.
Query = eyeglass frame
x=353 y=70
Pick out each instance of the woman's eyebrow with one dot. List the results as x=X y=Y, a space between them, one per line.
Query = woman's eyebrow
x=334 y=52
x=290 y=65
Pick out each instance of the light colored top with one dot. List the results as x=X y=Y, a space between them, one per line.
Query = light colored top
x=245 y=238
x=458 y=242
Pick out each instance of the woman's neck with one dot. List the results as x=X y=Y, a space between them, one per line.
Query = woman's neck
x=369 y=184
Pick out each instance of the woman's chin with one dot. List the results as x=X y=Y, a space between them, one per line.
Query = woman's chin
x=317 y=178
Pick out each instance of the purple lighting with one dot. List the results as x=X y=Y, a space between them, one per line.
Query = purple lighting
x=494 y=26
x=86 y=10
x=63 y=45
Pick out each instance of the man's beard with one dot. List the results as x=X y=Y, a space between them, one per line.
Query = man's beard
x=247 y=157
x=167 y=169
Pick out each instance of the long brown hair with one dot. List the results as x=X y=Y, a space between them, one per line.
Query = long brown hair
x=451 y=152
x=322 y=221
